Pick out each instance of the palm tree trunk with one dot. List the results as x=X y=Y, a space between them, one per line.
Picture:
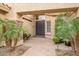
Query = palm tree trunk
x=15 y=43
x=8 y=43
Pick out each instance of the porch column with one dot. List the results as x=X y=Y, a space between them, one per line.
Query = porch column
x=77 y=13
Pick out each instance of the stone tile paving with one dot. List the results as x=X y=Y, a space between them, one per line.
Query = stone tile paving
x=40 y=47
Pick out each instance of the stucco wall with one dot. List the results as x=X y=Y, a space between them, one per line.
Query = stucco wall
x=30 y=26
x=2 y=16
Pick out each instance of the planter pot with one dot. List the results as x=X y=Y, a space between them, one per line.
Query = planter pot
x=67 y=43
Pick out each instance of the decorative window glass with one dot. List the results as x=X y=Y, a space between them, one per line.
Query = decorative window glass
x=48 y=26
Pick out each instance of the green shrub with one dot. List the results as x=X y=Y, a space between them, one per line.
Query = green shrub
x=57 y=40
x=9 y=32
x=26 y=35
x=64 y=27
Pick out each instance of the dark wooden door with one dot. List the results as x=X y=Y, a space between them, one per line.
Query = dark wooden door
x=40 y=27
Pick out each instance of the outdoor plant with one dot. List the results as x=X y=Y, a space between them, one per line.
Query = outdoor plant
x=67 y=30
x=26 y=35
x=12 y=36
x=64 y=27
x=10 y=33
x=76 y=23
x=57 y=40
x=2 y=29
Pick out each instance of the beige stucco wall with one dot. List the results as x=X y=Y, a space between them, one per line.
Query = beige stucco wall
x=2 y=16
x=29 y=26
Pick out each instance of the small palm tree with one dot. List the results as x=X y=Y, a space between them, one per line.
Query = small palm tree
x=9 y=32
x=67 y=28
x=64 y=27
x=2 y=29
x=12 y=35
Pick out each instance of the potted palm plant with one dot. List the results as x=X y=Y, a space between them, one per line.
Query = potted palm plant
x=64 y=28
x=12 y=36
x=9 y=32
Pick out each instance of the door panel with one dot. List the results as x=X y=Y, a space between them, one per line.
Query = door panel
x=40 y=27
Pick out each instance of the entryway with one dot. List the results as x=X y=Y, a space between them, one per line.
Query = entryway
x=40 y=28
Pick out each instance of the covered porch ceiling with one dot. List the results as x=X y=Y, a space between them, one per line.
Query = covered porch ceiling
x=52 y=12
